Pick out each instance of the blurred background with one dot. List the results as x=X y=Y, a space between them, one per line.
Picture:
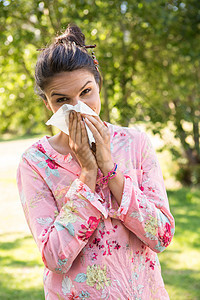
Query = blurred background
x=149 y=56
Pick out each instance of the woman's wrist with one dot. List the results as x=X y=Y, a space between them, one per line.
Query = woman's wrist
x=93 y=170
x=116 y=182
x=107 y=168
x=89 y=178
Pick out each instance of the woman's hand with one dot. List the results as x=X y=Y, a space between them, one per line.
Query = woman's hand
x=102 y=140
x=78 y=142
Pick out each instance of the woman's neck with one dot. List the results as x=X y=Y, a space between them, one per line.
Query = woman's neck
x=60 y=143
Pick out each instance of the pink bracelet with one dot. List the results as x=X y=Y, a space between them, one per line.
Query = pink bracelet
x=111 y=174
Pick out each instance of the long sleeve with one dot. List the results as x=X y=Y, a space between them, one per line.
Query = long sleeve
x=60 y=235
x=144 y=208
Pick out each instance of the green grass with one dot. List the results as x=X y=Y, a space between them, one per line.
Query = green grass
x=181 y=261
x=21 y=268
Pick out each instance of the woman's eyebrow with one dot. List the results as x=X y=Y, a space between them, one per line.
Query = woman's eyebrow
x=58 y=94
x=85 y=85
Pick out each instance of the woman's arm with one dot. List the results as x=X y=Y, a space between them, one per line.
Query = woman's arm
x=144 y=210
x=89 y=178
x=115 y=184
x=60 y=236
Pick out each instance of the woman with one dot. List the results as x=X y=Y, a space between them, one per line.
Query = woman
x=98 y=237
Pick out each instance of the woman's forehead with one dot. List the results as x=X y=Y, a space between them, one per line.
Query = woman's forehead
x=74 y=80
x=76 y=75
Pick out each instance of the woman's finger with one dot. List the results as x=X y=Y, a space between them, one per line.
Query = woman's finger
x=95 y=132
x=95 y=117
x=74 y=125
x=70 y=122
x=84 y=132
x=99 y=124
x=101 y=131
x=78 y=133
x=105 y=124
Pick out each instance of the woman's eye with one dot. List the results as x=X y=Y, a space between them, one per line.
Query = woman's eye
x=62 y=99
x=86 y=91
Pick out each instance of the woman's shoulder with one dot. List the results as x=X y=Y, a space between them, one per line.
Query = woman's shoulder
x=35 y=148
x=120 y=131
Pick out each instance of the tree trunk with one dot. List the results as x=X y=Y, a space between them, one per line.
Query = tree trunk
x=189 y=151
x=106 y=114
x=196 y=138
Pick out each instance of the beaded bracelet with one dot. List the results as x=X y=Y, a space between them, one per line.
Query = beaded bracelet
x=111 y=174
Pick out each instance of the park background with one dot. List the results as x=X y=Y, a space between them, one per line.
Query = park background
x=149 y=56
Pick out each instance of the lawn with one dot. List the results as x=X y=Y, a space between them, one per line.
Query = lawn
x=21 y=266
x=21 y=269
x=181 y=261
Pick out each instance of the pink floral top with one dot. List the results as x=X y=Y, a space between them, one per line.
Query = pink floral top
x=91 y=247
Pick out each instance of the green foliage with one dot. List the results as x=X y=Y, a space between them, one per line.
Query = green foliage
x=188 y=174
x=180 y=262
x=148 y=53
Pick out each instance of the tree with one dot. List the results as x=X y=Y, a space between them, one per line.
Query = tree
x=174 y=84
x=149 y=57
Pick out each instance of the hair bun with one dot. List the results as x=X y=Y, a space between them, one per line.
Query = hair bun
x=72 y=34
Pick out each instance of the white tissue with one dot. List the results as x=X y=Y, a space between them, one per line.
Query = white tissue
x=61 y=118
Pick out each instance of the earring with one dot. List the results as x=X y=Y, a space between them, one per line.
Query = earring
x=96 y=63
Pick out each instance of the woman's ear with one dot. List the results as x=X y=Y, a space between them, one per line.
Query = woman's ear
x=47 y=104
x=99 y=88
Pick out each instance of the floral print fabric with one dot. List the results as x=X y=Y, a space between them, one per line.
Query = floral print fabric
x=91 y=247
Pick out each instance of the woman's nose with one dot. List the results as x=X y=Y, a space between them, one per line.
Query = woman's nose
x=76 y=101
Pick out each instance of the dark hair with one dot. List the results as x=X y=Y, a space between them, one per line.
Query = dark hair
x=67 y=53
